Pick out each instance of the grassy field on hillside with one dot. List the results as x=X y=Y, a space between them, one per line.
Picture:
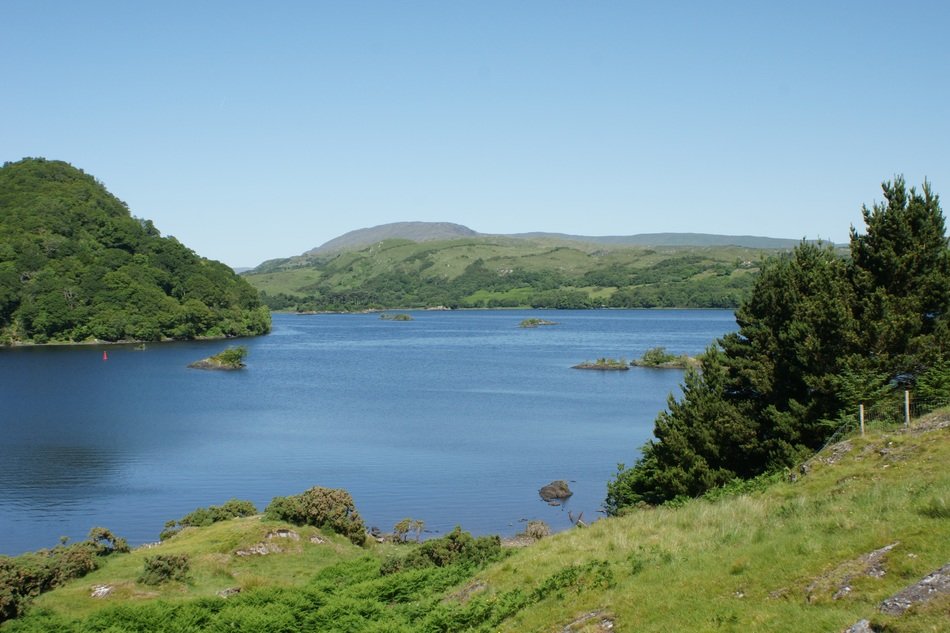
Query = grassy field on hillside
x=505 y=272
x=813 y=550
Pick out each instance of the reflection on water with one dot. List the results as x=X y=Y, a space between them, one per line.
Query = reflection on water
x=54 y=474
x=453 y=418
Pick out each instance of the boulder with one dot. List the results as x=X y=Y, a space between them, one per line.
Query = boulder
x=556 y=490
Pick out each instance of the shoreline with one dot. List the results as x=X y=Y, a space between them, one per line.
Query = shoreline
x=97 y=342
x=499 y=309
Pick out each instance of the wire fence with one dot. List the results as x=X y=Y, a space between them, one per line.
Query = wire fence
x=898 y=411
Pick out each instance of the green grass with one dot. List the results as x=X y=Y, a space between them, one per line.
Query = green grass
x=767 y=560
x=516 y=297
x=214 y=566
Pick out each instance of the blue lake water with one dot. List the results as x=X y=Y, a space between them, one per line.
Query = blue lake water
x=452 y=418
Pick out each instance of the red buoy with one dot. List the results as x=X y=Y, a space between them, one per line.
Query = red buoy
x=105 y=355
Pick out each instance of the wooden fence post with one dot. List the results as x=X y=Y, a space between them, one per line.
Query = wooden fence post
x=906 y=407
x=861 y=417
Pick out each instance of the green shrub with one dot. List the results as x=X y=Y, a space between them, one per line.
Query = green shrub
x=738 y=486
x=537 y=530
x=203 y=517
x=402 y=529
x=657 y=356
x=457 y=547
x=330 y=508
x=24 y=577
x=232 y=356
x=164 y=568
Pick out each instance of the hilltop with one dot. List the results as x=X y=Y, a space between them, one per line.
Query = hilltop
x=76 y=266
x=413 y=231
x=431 y=231
x=819 y=548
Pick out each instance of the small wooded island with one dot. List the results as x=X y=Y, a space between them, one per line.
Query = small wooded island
x=229 y=360
x=604 y=364
x=535 y=322
x=659 y=358
x=395 y=317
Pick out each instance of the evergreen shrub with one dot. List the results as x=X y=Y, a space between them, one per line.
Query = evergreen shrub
x=163 y=568
x=330 y=508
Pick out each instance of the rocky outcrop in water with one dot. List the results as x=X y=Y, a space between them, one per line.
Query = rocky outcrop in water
x=555 y=491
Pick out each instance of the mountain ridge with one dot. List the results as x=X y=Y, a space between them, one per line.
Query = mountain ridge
x=418 y=231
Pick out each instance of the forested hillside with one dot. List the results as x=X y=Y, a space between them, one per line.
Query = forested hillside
x=818 y=335
x=76 y=266
x=497 y=272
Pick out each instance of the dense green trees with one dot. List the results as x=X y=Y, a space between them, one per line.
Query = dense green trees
x=75 y=266
x=818 y=333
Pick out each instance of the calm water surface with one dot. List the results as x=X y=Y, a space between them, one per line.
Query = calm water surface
x=453 y=418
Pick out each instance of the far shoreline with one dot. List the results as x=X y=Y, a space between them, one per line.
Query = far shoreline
x=498 y=309
x=100 y=343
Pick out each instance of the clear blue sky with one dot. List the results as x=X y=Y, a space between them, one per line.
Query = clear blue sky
x=258 y=130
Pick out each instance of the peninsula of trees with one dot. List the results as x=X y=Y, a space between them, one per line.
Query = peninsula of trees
x=76 y=266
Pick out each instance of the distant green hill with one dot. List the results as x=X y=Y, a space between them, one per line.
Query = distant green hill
x=76 y=266
x=504 y=271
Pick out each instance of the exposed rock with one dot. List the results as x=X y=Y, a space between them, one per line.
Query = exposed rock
x=778 y=593
x=518 y=540
x=591 y=621
x=604 y=364
x=101 y=591
x=839 y=579
x=935 y=584
x=283 y=533
x=864 y=626
x=319 y=540
x=149 y=545
x=680 y=362
x=259 y=549
x=556 y=490
x=838 y=451
x=930 y=422
x=230 y=591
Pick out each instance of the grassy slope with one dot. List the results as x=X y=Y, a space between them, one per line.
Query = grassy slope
x=770 y=561
x=450 y=258
x=766 y=561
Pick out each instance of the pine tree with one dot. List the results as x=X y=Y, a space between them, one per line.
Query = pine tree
x=817 y=333
x=901 y=274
